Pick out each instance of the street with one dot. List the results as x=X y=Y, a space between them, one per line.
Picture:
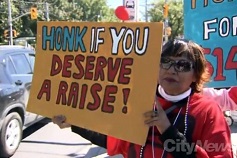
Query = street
x=52 y=142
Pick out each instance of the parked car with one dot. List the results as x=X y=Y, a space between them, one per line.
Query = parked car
x=16 y=72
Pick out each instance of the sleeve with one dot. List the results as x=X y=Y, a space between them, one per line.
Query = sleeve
x=93 y=137
x=215 y=139
x=116 y=146
x=233 y=94
x=226 y=98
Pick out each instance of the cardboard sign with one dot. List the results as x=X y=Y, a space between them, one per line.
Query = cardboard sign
x=213 y=24
x=101 y=76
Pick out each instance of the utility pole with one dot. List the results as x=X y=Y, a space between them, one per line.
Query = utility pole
x=47 y=11
x=166 y=23
x=146 y=18
x=10 y=22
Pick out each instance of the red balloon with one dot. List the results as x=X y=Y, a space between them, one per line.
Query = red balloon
x=122 y=13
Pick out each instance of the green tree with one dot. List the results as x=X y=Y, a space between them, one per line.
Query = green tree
x=96 y=10
x=175 y=16
x=4 y=25
x=80 y=10
x=63 y=10
x=59 y=10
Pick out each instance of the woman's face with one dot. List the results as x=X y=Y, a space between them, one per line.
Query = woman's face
x=176 y=74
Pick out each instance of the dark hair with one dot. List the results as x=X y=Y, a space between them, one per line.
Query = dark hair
x=195 y=53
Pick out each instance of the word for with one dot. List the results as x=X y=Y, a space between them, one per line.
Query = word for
x=73 y=39
x=230 y=64
x=206 y=2
x=224 y=27
x=77 y=95
x=92 y=68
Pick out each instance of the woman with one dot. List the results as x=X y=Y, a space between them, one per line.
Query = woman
x=184 y=123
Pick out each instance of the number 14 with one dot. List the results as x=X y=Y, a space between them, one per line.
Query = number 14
x=230 y=64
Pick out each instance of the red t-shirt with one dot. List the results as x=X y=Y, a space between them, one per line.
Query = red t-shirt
x=206 y=127
x=233 y=93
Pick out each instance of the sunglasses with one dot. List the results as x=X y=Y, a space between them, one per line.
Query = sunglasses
x=179 y=65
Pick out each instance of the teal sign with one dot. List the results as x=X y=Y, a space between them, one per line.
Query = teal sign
x=213 y=25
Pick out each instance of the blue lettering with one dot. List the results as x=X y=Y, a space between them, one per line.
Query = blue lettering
x=48 y=38
x=63 y=38
x=68 y=39
x=79 y=39
x=58 y=38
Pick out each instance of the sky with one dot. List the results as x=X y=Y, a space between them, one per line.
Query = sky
x=115 y=3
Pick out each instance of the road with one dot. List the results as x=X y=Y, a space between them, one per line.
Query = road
x=46 y=140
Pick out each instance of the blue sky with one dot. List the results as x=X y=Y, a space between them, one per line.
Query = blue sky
x=115 y=3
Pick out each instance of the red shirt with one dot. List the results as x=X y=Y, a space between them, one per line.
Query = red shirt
x=206 y=126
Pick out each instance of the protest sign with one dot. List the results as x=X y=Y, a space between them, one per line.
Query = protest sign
x=101 y=76
x=213 y=25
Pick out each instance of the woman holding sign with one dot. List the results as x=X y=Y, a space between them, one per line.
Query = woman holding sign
x=184 y=123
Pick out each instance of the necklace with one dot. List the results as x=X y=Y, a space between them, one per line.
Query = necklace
x=185 y=130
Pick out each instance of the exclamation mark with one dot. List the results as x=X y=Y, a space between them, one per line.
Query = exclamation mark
x=126 y=92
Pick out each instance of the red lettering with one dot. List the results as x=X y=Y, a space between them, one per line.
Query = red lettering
x=83 y=96
x=67 y=64
x=63 y=86
x=78 y=59
x=122 y=79
x=73 y=95
x=230 y=63
x=218 y=52
x=89 y=67
x=94 y=92
x=209 y=65
x=99 y=69
x=45 y=88
x=113 y=68
x=106 y=107
x=56 y=66
x=72 y=99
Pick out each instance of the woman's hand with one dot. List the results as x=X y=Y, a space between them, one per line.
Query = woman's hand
x=157 y=118
x=60 y=120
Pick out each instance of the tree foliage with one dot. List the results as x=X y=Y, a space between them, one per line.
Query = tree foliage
x=4 y=17
x=175 y=16
x=59 y=10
